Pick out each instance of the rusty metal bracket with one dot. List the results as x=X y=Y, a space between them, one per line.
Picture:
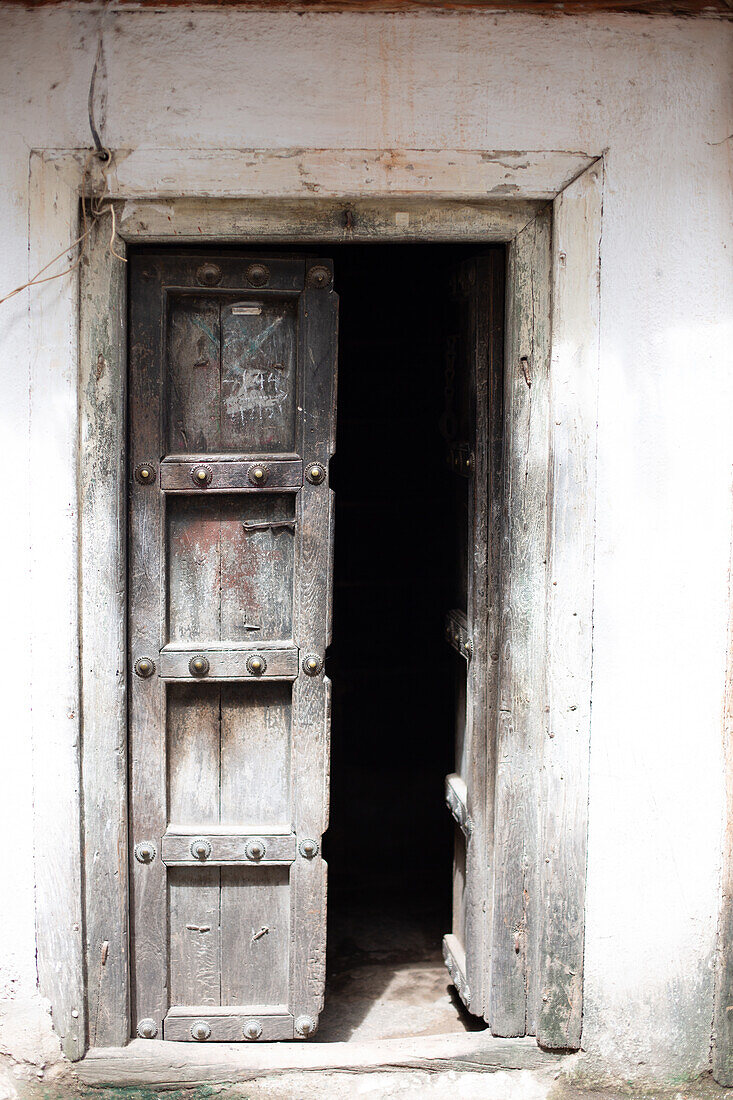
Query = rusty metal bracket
x=274 y=525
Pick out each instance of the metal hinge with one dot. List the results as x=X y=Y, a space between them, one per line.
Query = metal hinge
x=460 y=459
x=456 y=799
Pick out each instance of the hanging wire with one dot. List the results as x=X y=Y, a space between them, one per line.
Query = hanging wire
x=101 y=151
x=99 y=205
x=80 y=240
x=35 y=281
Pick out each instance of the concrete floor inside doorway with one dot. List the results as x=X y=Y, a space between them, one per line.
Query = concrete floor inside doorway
x=386 y=977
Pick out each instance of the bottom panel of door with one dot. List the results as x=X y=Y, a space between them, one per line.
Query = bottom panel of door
x=236 y=1024
x=230 y=936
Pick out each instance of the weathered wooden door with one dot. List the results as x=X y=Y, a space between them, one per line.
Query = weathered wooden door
x=473 y=430
x=232 y=392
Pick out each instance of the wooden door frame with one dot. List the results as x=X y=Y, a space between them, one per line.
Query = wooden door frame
x=552 y=225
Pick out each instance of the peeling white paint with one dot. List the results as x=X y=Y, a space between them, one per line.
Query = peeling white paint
x=655 y=94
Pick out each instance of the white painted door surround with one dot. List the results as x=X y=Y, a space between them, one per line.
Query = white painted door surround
x=79 y=367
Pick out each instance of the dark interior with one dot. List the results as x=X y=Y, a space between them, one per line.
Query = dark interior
x=391 y=722
x=389 y=843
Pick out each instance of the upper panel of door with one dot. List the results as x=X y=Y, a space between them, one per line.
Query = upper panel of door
x=230 y=333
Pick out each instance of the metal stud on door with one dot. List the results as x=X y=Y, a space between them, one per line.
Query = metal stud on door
x=232 y=392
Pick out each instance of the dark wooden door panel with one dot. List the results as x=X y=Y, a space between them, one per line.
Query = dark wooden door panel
x=194 y=374
x=258 y=380
x=232 y=391
x=231 y=362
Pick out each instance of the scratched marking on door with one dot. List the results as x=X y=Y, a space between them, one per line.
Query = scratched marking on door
x=255 y=382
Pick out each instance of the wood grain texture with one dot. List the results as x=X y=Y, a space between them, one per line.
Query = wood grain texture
x=164 y=1065
x=490 y=448
x=259 y=376
x=195 y=935
x=194 y=940
x=459 y=430
x=146 y=617
x=256 y=935
x=230 y=473
x=456 y=174
x=259 y=218
x=193 y=552
x=486 y=373
x=226 y=847
x=231 y=373
x=229 y=1027
x=193 y=723
x=312 y=628
x=404 y=218
x=53 y=611
x=476 y=365
x=564 y=791
x=230 y=663
x=102 y=469
x=522 y=720
x=230 y=568
x=472 y=410
x=257 y=563
x=193 y=374
x=255 y=756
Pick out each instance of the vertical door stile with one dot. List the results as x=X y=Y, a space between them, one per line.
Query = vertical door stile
x=475 y=673
x=472 y=629
x=493 y=432
x=521 y=729
x=312 y=628
x=483 y=613
x=149 y=928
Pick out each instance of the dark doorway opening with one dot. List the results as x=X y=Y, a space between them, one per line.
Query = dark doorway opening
x=401 y=526
x=390 y=840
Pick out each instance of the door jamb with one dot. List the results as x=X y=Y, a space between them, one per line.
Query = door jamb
x=80 y=807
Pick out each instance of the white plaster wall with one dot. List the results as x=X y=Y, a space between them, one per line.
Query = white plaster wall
x=655 y=95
